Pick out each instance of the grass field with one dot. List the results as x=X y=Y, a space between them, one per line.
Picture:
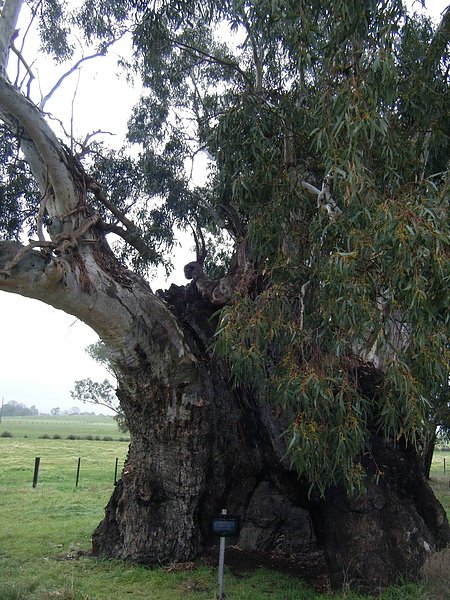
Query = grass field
x=440 y=478
x=78 y=425
x=45 y=531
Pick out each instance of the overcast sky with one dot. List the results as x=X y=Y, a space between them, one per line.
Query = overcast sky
x=42 y=348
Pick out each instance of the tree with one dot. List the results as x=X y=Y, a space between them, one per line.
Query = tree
x=55 y=411
x=17 y=409
x=101 y=393
x=437 y=427
x=289 y=380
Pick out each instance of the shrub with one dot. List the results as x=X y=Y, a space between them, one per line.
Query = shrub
x=88 y=437
x=98 y=438
x=56 y=436
x=436 y=574
x=6 y=434
x=107 y=438
x=45 y=437
x=72 y=437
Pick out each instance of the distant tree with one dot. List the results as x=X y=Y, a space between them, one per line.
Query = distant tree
x=100 y=393
x=437 y=428
x=16 y=409
x=55 y=411
x=34 y=411
x=74 y=410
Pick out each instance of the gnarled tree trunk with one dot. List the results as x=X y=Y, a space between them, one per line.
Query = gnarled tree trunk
x=192 y=455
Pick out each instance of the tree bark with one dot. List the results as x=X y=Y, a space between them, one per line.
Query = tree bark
x=426 y=455
x=372 y=540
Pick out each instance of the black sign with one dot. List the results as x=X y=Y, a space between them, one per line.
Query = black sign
x=225 y=525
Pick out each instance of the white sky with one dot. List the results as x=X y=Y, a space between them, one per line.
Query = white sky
x=42 y=348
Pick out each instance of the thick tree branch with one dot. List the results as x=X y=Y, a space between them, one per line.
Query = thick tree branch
x=8 y=20
x=42 y=149
x=134 y=239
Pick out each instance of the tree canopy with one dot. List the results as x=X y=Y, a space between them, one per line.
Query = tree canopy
x=322 y=228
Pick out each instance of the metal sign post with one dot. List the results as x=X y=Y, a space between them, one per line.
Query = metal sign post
x=224 y=526
x=220 y=595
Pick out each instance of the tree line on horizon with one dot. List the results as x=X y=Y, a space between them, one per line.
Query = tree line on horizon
x=19 y=409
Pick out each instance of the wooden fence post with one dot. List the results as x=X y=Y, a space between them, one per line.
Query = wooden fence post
x=78 y=472
x=37 y=462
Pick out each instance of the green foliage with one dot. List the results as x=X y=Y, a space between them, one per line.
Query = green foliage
x=346 y=327
x=372 y=283
x=18 y=191
x=53 y=29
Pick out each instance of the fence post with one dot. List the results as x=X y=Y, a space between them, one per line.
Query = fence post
x=115 y=471
x=444 y=465
x=37 y=462
x=78 y=472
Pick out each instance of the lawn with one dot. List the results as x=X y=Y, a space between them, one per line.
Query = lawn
x=77 y=425
x=45 y=532
x=440 y=478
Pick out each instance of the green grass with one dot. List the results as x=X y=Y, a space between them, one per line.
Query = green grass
x=35 y=427
x=44 y=532
x=440 y=479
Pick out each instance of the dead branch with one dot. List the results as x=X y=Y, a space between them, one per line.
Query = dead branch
x=22 y=60
x=58 y=84
x=40 y=215
x=60 y=244
x=22 y=252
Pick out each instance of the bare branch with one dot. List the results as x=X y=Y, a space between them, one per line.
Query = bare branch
x=40 y=216
x=72 y=70
x=60 y=244
x=200 y=245
x=72 y=111
x=89 y=136
x=97 y=190
x=209 y=57
x=22 y=60
x=326 y=200
x=133 y=238
x=44 y=153
x=27 y=30
x=302 y=303
x=6 y=270
x=324 y=197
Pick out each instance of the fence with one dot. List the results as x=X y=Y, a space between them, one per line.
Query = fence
x=37 y=465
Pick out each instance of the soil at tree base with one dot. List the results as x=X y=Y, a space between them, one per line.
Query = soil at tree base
x=310 y=569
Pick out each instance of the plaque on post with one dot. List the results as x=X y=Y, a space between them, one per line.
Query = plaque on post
x=224 y=526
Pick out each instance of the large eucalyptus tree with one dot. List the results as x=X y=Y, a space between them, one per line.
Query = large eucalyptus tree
x=289 y=380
